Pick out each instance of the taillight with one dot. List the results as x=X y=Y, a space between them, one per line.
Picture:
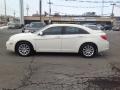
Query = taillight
x=104 y=37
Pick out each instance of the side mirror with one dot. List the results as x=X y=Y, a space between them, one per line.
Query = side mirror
x=41 y=34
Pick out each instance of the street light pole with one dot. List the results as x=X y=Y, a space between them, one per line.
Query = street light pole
x=14 y=14
x=27 y=9
x=21 y=12
x=113 y=5
x=50 y=7
x=112 y=14
x=49 y=11
x=40 y=9
x=5 y=11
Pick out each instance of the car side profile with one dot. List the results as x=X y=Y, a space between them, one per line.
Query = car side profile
x=68 y=38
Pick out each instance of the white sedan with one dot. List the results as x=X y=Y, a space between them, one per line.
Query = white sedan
x=68 y=38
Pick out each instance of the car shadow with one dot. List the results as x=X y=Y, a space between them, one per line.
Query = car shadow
x=57 y=54
x=100 y=55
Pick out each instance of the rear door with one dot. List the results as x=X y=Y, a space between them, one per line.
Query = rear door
x=71 y=37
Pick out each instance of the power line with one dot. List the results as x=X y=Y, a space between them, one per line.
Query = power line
x=88 y=1
x=78 y=6
x=59 y=12
x=7 y=10
x=117 y=6
x=95 y=1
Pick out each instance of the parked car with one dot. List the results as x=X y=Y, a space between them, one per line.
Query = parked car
x=27 y=26
x=101 y=27
x=107 y=27
x=12 y=25
x=68 y=38
x=116 y=28
x=94 y=27
x=33 y=27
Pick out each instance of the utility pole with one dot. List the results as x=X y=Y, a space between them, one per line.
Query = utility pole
x=21 y=12
x=102 y=10
x=14 y=13
x=49 y=11
x=27 y=9
x=5 y=11
x=40 y=10
x=113 y=5
x=112 y=14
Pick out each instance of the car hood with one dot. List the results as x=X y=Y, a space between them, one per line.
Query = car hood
x=22 y=36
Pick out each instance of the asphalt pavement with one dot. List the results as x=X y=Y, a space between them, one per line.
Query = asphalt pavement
x=29 y=73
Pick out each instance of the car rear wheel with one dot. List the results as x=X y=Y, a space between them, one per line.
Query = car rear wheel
x=88 y=50
x=24 y=49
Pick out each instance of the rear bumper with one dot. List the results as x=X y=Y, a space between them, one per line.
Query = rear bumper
x=103 y=46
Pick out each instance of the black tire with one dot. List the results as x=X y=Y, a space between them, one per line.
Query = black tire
x=88 y=50
x=24 y=49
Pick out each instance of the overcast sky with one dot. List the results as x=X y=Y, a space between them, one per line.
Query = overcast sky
x=60 y=6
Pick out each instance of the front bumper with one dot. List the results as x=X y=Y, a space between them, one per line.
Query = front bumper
x=10 y=46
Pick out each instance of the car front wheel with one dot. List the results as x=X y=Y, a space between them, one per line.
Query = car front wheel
x=24 y=49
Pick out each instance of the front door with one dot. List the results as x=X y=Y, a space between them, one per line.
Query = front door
x=50 y=41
